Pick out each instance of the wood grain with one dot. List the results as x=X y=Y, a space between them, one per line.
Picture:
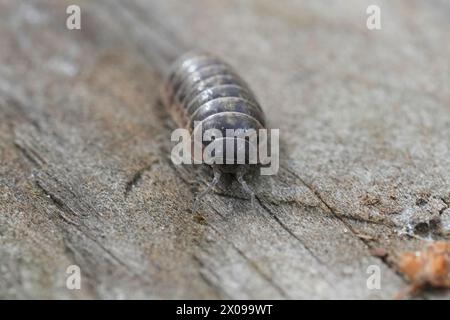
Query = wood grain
x=86 y=176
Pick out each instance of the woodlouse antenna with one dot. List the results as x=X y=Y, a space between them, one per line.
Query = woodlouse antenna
x=240 y=178
x=216 y=179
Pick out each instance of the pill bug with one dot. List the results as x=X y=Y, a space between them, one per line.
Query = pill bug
x=201 y=88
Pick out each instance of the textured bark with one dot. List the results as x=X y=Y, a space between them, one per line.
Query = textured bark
x=86 y=176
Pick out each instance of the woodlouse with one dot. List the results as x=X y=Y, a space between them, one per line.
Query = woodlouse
x=201 y=88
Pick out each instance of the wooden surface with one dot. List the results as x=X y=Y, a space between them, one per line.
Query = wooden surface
x=86 y=176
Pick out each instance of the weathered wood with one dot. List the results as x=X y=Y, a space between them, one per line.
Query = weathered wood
x=86 y=176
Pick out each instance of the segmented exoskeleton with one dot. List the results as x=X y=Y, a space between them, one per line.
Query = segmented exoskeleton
x=202 y=89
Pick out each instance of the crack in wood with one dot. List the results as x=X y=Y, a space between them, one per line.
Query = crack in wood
x=288 y=230
x=253 y=265
x=30 y=154
x=137 y=176
x=219 y=290
x=366 y=242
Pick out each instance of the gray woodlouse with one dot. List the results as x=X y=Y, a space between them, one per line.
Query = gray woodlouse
x=201 y=87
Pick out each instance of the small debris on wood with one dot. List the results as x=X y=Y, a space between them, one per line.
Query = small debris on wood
x=379 y=252
x=429 y=267
x=364 y=236
x=369 y=200
x=200 y=219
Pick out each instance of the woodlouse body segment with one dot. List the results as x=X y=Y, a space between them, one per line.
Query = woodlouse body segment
x=200 y=86
x=202 y=92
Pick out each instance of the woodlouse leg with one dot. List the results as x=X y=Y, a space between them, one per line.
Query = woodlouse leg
x=216 y=179
x=243 y=183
